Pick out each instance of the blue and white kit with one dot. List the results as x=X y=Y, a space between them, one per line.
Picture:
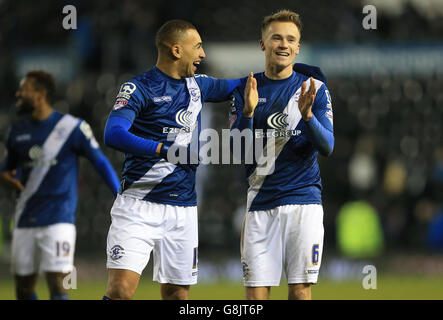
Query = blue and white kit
x=156 y=209
x=283 y=226
x=296 y=176
x=154 y=108
x=45 y=157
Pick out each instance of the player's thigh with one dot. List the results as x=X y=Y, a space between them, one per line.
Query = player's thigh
x=303 y=243
x=176 y=254
x=57 y=245
x=23 y=251
x=261 y=248
x=136 y=225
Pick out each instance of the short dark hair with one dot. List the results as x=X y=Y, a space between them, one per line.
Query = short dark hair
x=43 y=81
x=282 y=16
x=170 y=32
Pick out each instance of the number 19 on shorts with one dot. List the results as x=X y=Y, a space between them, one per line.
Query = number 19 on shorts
x=62 y=248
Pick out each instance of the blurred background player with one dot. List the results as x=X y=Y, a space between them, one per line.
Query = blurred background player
x=283 y=226
x=156 y=209
x=42 y=165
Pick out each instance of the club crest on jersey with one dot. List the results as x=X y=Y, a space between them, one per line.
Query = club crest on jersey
x=195 y=94
x=183 y=118
x=126 y=90
x=278 y=121
x=36 y=152
x=116 y=252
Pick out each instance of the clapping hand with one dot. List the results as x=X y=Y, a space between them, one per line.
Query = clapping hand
x=306 y=99
x=251 y=96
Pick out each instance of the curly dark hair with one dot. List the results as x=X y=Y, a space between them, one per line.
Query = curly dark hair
x=43 y=81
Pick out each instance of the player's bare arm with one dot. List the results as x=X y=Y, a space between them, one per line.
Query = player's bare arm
x=9 y=181
x=306 y=99
x=251 y=96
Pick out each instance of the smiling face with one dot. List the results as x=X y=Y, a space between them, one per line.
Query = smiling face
x=180 y=49
x=281 y=43
x=192 y=53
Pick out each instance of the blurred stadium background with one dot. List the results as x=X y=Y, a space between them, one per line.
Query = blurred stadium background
x=383 y=185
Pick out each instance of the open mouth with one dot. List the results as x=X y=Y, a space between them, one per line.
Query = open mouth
x=196 y=64
x=282 y=54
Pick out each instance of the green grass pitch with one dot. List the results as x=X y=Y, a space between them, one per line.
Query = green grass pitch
x=388 y=288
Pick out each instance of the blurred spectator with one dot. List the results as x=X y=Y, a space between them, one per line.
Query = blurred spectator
x=359 y=231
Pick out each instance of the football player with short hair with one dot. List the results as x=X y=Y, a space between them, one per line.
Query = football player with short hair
x=156 y=122
x=292 y=113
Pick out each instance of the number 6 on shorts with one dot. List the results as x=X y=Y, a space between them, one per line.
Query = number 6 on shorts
x=315 y=254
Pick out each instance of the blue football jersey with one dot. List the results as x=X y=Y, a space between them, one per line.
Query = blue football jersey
x=165 y=110
x=294 y=177
x=45 y=153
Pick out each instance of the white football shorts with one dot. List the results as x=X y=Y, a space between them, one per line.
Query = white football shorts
x=140 y=227
x=53 y=245
x=288 y=238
